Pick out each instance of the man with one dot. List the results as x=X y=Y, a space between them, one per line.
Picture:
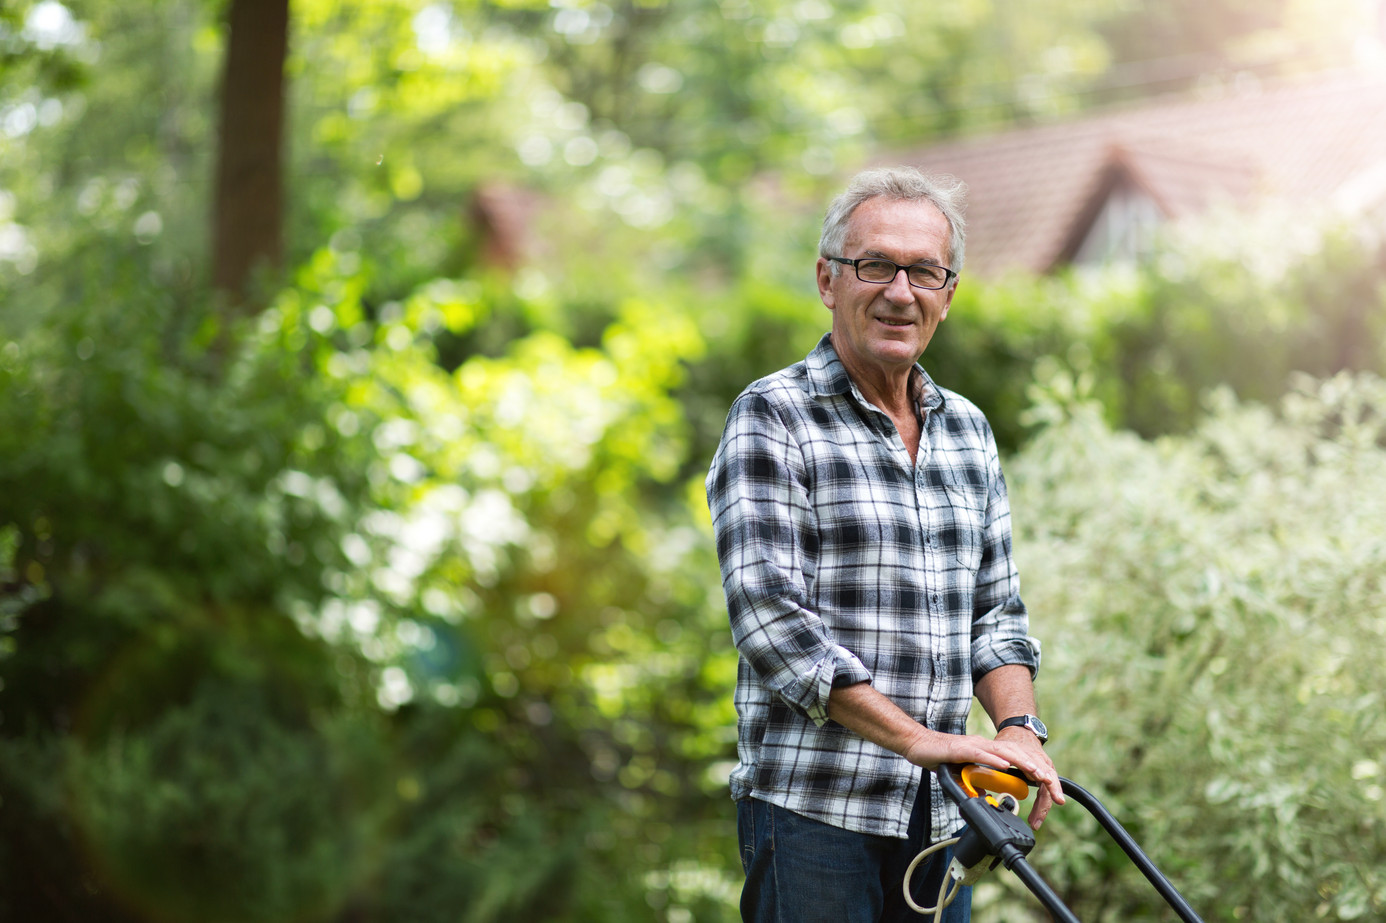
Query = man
x=863 y=531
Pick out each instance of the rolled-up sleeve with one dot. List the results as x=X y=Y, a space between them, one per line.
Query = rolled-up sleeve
x=1001 y=623
x=767 y=547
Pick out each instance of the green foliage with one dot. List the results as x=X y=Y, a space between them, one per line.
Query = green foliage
x=398 y=601
x=1232 y=308
x=167 y=505
x=340 y=629
x=1212 y=605
x=584 y=600
x=1233 y=301
x=35 y=51
x=180 y=816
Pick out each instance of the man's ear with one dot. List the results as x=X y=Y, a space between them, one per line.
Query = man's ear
x=825 y=283
x=948 y=301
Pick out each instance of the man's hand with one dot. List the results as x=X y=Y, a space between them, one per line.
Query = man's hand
x=1008 y=691
x=933 y=748
x=1050 y=790
x=870 y=714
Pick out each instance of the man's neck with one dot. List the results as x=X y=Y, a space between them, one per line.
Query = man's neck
x=890 y=389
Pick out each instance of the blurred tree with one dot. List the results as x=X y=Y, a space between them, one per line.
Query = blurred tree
x=35 y=48
x=247 y=206
x=164 y=516
x=1186 y=44
x=1181 y=43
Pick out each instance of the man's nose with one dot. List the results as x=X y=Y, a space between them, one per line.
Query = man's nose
x=898 y=289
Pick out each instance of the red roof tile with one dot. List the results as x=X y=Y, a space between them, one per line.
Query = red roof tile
x=1033 y=191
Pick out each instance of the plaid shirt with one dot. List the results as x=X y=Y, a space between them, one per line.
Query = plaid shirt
x=844 y=562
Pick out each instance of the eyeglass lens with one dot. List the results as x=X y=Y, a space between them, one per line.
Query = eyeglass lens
x=922 y=275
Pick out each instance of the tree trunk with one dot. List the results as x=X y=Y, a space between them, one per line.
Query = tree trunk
x=247 y=219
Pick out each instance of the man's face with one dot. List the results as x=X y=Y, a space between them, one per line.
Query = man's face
x=882 y=330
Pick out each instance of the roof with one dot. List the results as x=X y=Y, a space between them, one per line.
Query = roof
x=1034 y=192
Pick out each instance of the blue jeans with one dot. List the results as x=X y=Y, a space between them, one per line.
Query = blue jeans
x=800 y=870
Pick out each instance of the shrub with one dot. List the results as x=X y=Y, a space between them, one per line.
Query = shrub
x=1213 y=608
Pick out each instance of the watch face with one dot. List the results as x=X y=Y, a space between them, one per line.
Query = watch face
x=1038 y=727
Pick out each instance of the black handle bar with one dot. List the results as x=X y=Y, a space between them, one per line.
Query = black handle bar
x=1015 y=860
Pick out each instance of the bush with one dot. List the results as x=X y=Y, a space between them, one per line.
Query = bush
x=295 y=624
x=1212 y=607
x=170 y=502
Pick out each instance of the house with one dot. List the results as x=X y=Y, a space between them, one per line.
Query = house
x=1096 y=188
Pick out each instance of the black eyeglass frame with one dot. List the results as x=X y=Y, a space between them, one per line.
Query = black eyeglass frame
x=948 y=277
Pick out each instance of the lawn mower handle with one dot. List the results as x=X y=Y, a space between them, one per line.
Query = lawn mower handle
x=950 y=777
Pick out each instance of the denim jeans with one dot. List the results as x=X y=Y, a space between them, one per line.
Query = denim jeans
x=800 y=870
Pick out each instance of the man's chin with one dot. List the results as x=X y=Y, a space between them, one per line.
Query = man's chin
x=891 y=350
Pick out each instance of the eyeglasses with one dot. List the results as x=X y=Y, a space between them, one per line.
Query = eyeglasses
x=882 y=272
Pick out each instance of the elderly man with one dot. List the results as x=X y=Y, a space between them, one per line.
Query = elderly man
x=864 y=536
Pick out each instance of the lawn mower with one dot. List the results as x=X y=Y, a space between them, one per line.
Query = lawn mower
x=989 y=800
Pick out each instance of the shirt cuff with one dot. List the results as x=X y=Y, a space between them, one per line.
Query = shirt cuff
x=989 y=655
x=809 y=695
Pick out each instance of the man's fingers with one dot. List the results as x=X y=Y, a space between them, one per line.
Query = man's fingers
x=1040 y=809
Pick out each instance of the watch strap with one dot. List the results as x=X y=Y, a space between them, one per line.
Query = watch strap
x=1030 y=722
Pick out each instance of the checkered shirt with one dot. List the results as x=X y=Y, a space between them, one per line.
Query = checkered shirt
x=844 y=562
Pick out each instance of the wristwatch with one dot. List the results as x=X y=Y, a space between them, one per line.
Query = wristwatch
x=1030 y=722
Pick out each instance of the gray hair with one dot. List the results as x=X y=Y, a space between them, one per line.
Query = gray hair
x=909 y=184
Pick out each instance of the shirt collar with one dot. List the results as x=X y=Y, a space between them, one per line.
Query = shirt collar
x=827 y=376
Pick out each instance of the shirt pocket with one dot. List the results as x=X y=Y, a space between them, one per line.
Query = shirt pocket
x=966 y=528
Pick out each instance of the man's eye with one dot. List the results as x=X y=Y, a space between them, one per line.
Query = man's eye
x=876 y=269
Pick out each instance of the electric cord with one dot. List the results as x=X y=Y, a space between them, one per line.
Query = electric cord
x=958 y=879
x=945 y=897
